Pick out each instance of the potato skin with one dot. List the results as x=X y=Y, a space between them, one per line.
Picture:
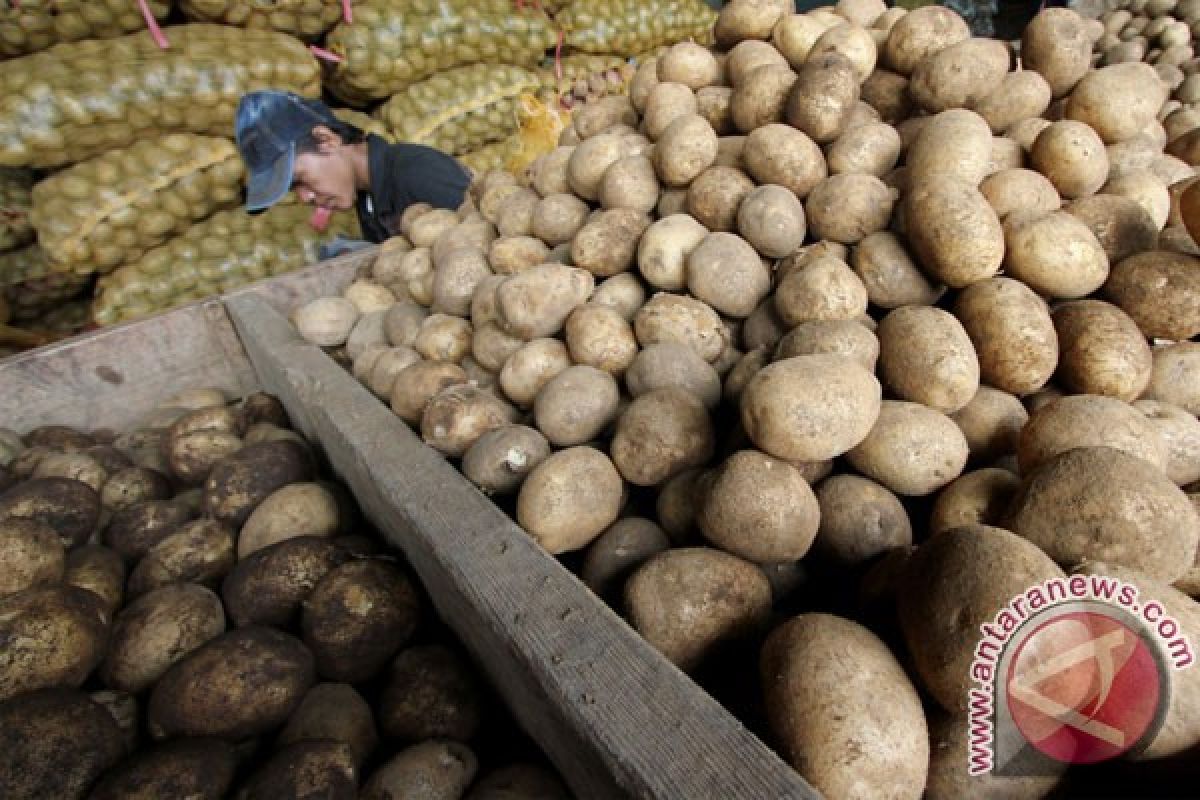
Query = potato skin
x=1012 y=333
x=269 y=586
x=953 y=231
x=55 y=636
x=431 y=693
x=499 y=460
x=1056 y=44
x=99 y=570
x=576 y=405
x=1020 y=95
x=856 y=731
x=32 y=555
x=1102 y=350
x=726 y=273
x=437 y=770
x=70 y=507
x=1083 y=420
x=680 y=318
x=1160 y=290
x=926 y=356
x=859 y=520
x=158 y=629
x=921 y=33
x=991 y=423
x=55 y=743
x=848 y=207
x=949 y=736
x=780 y=154
x=1072 y=156
x=615 y=554
x=912 y=449
x=1054 y=254
x=356 y=618
x=1122 y=227
x=686 y=148
x=831 y=78
x=1135 y=516
x=960 y=75
x=315 y=768
x=199 y=552
x=458 y=415
x=195 y=768
x=687 y=602
x=1118 y=101
x=238 y=484
x=570 y=499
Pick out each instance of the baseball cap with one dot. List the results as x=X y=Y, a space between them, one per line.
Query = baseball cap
x=268 y=126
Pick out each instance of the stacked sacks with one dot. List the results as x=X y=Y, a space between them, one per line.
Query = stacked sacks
x=23 y=264
x=15 y=229
x=230 y=249
x=364 y=122
x=32 y=26
x=33 y=299
x=539 y=126
x=80 y=100
x=307 y=19
x=460 y=109
x=628 y=27
x=388 y=47
x=102 y=213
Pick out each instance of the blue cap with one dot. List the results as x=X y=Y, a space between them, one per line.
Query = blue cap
x=268 y=126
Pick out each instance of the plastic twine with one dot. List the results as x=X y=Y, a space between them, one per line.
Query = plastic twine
x=155 y=32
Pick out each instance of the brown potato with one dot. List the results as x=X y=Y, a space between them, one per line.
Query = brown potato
x=953 y=144
x=529 y=369
x=688 y=602
x=666 y=103
x=1014 y=190
x=913 y=450
x=618 y=552
x=442 y=338
x=825 y=289
x=761 y=97
x=926 y=356
x=576 y=405
x=664 y=247
x=959 y=76
x=680 y=318
x=921 y=33
x=1056 y=44
x=557 y=217
x=509 y=255
x=68 y=506
x=431 y=693
x=1180 y=432
x=55 y=636
x=630 y=183
x=333 y=711
x=1174 y=376
x=569 y=499
x=823 y=97
x=458 y=415
x=981 y=497
x=1122 y=227
x=779 y=154
x=133 y=485
x=195 y=768
x=1085 y=420
x=1054 y=254
x=662 y=433
x=622 y=293
x=1102 y=350
x=887 y=93
x=268 y=587
x=1020 y=95
x=837 y=399
x=714 y=196
x=1102 y=504
x=32 y=555
x=321 y=768
x=949 y=756
x=98 y=570
x=436 y=770
x=991 y=423
x=198 y=552
x=954 y=231
x=1072 y=156
x=748 y=19
x=1118 y=101
x=888 y=272
x=686 y=148
x=76 y=466
x=794 y=36
x=238 y=484
x=831 y=337
x=727 y=274
x=536 y=302
x=871 y=149
x=1011 y=330
x=848 y=207
x=844 y=709
x=1160 y=290
x=157 y=630
x=134 y=530
x=417 y=383
x=859 y=520
x=715 y=104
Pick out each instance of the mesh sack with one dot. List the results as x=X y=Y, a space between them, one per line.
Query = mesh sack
x=307 y=19
x=628 y=27
x=33 y=25
x=15 y=228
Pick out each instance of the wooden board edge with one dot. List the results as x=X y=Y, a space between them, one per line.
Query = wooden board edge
x=614 y=715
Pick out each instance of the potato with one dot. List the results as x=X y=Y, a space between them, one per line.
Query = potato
x=32 y=554
x=889 y=274
x=779 y=154
x=1174 y=376
x=586 y=166
x=367 y=332
x=1088 y=421
x=536 y=302
x=921 y=33
x=458 y=415
x=848 y=207
x=1019 y=96
x=959 y=76
x=823 y=97
x=531 y=367
x=557 y=217
x=192 y=456
x=133 y=531
x=431 y=693
x=831 y=337
x=499 y=460
x=443 y=338
x=826 y=289
x=620 y=550
x=662 y=433
x=976 y=571
x=981 y=497
x=850 y=41
x=576 y=404
x=859 y=519
x=70 y=507
x=871 y=149
x=763 y=328
x=198 y=552
x=570 y=499
x=836 y=398
x=1160 y=290
x=416 y=384
x=948 y=777
x=926 y=356
x=1180 y=432
x=607 y=244
x=1026 y=131
x=794 y=36
x=133 y=485
x=953 y=144
x=991 y=424
x=425 y=229
x=238 y=484
x=670 y=363
x=1133 y=88
x=953 y=231
x=748 y=19
x=54 y=637
x=268 y=586
x=600 y=337
x=336 y=712
x=1054 y=254
x=1012 y=333
x=1102 y=350
x=858 y=730
x=689 y=602
x=644 y=80
x=630 y=183
x=56 y=743
x=913 y=450
x=509 y=255
x=1122 y=227
x=666 y=103
x=433 y=770
x=887 y=93
x=596 y=117
x=726 y=273
x=1144 y=188
x=683 y=319
x=76 y=466
x=326 y=321
x=491 y=346
x=664 y=248
x=1136 y=517
x=715 y=104
x=195 y=768
x=321 y=768
x=1072 y=156
x=99 y=571
x=1056 y=44
x=299 y=509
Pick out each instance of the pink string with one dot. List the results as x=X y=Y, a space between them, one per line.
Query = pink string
x=325 y=55
x=558 y=69
x=155 y=32
x=347 y=13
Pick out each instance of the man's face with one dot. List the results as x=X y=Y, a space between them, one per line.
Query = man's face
x=325 y=178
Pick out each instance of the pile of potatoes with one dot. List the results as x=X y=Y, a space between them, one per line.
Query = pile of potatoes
x=857 y=318
x=189 y=610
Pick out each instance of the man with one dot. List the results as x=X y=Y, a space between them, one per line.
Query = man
x=289 y=142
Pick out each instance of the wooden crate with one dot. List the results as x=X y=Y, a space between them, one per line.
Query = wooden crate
x=615 y=717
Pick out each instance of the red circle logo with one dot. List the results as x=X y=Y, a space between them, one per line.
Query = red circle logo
x=1083 y=687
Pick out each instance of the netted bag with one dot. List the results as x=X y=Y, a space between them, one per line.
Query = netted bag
x=79 y=100
x=15 y=228
x=69 y=318
x=228 y=250
x=308 y=19
x=31 y=300
x=461 y=109
x=491 y=156
x=588 y=75
x=33 y=25
x=364 y=122
x=628 y=27
x=25 y=264
x=108 y=211
x=389 y=47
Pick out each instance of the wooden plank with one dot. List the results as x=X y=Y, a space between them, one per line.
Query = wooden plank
x=112 y=377
x=617 y=718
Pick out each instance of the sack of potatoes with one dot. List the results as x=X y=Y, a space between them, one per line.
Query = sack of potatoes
x=27 y=27
x=306 y=19
x=15 y=228
x=629 y=27
x=201 y=613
